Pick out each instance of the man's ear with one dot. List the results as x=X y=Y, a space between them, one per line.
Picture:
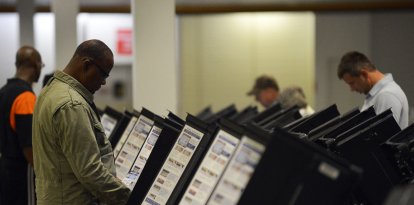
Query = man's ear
x=86 y=64
x=364 y=73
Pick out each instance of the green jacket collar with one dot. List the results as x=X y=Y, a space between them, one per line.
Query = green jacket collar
x=72 y=82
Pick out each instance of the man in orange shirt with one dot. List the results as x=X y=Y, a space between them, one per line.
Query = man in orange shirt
x=17 y=102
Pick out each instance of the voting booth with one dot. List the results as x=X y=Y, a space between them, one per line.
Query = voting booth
x=271 y=157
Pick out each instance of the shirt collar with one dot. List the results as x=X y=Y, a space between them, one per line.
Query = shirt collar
x=380 y=84
x=72 y=82
x=12 y=80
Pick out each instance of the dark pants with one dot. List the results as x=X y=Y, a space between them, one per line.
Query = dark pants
x=14 y=178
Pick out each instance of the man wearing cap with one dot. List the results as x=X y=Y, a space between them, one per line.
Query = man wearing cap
x=265 y=90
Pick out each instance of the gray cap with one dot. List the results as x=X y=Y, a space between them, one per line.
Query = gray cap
x=291 y=96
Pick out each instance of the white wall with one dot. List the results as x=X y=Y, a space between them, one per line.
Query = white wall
x=9 y=41
x=44 y=30
x=154 y=68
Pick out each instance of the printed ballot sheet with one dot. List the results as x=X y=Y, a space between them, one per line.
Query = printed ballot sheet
x=131 y=179
x=174 y=166
x=210 y=169
x=125 y=135
x=132 y=146
x=235 y=178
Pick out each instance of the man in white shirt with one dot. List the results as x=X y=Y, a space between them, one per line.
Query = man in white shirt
x=380 y=89
x=294 y=95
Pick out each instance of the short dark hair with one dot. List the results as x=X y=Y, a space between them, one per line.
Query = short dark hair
x=263 y=82
x=93 y=48
x=26 y=56
x=352 y=63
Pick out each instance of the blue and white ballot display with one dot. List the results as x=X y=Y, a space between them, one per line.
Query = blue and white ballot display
x=210 y=169
x=236 y=176
x=174 y=166
x=132 y=146
x=133 y=175
x=108 y=124
x=125 y=135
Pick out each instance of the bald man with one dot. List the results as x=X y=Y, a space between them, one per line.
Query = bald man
x=73 y=159
x=17 y=102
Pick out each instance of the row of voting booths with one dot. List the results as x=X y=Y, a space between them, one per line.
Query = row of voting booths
x=276 y=156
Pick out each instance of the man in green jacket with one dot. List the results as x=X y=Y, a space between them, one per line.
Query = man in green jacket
x=73 y=159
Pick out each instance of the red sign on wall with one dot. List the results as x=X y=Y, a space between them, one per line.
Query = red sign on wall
x=124 y=42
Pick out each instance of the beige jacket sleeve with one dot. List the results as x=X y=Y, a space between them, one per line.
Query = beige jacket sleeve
x=89 y=153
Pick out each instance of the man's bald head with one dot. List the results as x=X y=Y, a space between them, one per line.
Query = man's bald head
x=94 y=48
x=28 y=64
x=91 y=64
x=27 y=56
